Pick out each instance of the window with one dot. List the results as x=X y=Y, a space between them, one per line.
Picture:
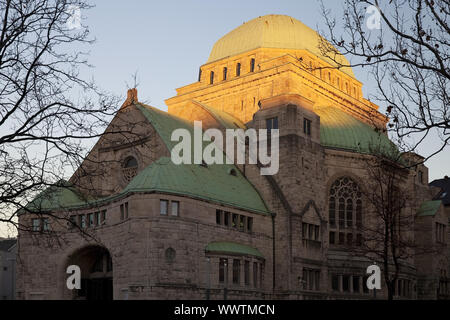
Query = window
x=335 y=282
x=234 y=221
x=247 y=273
x=332 y=237
x=83 y=221
x=349 y=212
x=310 y=231
x=345 y=198
x=98 y=218
x=226 y=219
x=225 y=73
x=329 y=77
x=341 y=213
x=341 y=238
x=345 y=283
x=311 y=279
x=129 y=169
x=420 y=176
x=36 y=224
x=249 y=224
x=238 y=69
x=91 y=219
x=440 y=232
x=236 y=271
x=163 y=207
x=219 y=214
x=223 y=270
x=364 y=284
x=252 y=65
x=338 y=80
x=103 y=216
x=332 y=212
x=45 y=224
x=211 y=77
x=271 y=123
x=124 y=211
x=241 y=223
x=199 y=75
x=175 y=208
x=255 y=274
x=307 y=126
x=358 y=213
x=356 y=284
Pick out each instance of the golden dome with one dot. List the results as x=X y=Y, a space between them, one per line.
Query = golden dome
x=271 y=31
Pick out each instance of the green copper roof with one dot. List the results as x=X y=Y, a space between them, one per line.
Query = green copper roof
x=429 y=208
x=233 y=248
x=58 y=196
x=224 y=118
x=211 y=183
x=342 y=131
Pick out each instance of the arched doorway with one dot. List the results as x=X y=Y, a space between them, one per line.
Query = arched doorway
x=96 y=266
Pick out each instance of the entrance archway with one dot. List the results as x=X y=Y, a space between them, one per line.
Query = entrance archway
x=96 y=267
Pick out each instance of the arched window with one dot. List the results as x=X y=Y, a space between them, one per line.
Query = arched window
x=129 y=168
x=225 y=73
x=211 y=77
x=238 y=69
x=345 y=199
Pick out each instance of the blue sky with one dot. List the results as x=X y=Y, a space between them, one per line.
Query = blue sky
x=165 y=42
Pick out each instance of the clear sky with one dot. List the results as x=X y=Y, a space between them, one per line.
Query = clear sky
x=165 y=42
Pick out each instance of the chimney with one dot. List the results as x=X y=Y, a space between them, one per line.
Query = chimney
x=131 y=98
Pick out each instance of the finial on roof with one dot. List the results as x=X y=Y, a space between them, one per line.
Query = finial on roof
x=131 y=97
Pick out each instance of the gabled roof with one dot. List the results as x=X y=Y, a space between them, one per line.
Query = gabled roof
x=429 y=208
x=233 y=248
x=340 y=130
x=210 y=183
